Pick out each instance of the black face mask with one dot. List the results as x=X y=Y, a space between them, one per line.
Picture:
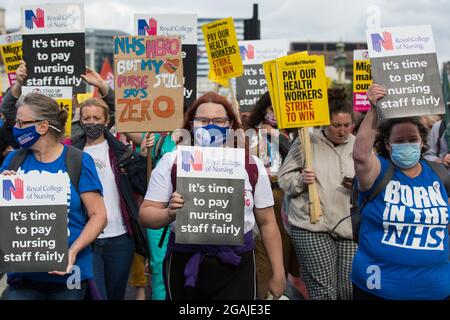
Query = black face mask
x=93 y=130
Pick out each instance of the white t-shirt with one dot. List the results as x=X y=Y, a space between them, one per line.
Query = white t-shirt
x=160 y=188
x=100 y=154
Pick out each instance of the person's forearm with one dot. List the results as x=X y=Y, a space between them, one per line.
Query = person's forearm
x=271 y=239
x=365 y=137
x=154 y=218
x=91 y=231
x=16 y=90
x=103 y=88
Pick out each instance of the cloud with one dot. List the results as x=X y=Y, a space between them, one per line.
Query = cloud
x=318 y=20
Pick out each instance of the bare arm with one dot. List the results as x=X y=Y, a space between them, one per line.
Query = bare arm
x=156 y=215
x=367 y=165
x=271 y=238
x=94 y=79
x=95 y=207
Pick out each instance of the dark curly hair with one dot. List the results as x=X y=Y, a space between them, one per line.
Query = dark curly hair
x=338 y=102
x=385 y=130
x=259 y=111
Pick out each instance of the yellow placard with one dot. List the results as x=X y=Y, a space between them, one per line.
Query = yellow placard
x=362 y=79
x=82 y=97
x=223 y=50
x=62 y=96
x=361 y=75
x=302 y=87
x=66 y=104
x=270 y=72
x=12 y=54
x=269 y=79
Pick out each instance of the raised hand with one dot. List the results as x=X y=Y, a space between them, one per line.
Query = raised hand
x=375 y=93
x=94 y=79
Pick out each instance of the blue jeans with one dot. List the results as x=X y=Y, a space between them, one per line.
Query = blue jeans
x=112 y=259
x=28 y=289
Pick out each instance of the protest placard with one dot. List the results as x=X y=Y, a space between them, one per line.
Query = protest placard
x=403 y=60
x=252 y=84
x=33 y=222
x=148 y=83
x=211 y=181
x=298 y=90
x=271 y=74
x=62 y=95
x=183 y=25
x=53 y=45
x=302 y=87
x=362 y=79
x=223 y=50
x=11 y=50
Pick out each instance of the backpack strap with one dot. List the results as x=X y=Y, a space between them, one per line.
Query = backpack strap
x=158 y=147
x=252 y=171
x=356 y=210
x=73 y=160
x=442 y=173
x=380 y=186
x=173 y=178
x=18 y=159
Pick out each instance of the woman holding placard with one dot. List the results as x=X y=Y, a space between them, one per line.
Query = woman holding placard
x=403 y=248
x=209 y=121
x=39 y=127
x=324 y=249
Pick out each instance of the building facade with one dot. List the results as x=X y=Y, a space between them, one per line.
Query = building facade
x=328 y=49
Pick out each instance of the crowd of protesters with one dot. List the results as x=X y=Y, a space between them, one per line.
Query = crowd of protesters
x=127 y=234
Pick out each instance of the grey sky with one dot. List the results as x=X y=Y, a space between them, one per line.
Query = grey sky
x=313 y=20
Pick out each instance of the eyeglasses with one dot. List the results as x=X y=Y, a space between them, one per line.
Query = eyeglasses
x=20 y=123
x=222 y=121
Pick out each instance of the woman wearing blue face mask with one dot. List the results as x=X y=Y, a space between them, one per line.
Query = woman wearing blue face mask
x=213 y=276
x=39 y=128
x=403 y=240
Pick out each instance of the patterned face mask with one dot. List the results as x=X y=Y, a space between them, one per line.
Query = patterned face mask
x=93 y=130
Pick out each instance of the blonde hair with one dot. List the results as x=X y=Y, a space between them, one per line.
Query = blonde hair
x=98 y=103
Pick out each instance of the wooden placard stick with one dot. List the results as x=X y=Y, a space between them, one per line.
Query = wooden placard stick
x=233 y=97
x=315 y=210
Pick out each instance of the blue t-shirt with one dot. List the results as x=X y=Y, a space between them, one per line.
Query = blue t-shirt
x=403 y=248
x=89 y=181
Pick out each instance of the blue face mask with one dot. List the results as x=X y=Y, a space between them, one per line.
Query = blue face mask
x=2 y=122
x=210 y=136
x=26 y=137
x=405 y=155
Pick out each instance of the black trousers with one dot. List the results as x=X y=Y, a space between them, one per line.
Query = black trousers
x=215 y=281
x=359 y=294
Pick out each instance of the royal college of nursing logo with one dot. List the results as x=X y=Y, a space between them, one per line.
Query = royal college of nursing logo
x=36 y=19
x=147 y=28
x=194 y=161
x=384 y=42
x=247 y=52
x=10 y=189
